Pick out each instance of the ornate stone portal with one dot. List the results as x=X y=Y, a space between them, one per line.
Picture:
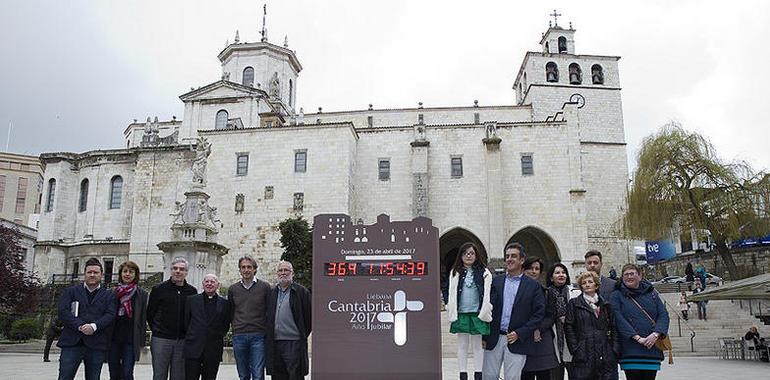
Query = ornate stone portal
x=195 y=227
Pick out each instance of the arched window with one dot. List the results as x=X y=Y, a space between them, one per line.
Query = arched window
x=575 y=74
x=83 y=200
x=562 y=44
x=116 y=192
x=248 y=76
x=597 y=74
x=291 y=92
x=51 y=194
x=551 y=72
x=221 y=121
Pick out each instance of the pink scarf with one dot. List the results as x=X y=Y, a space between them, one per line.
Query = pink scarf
x=124 y=294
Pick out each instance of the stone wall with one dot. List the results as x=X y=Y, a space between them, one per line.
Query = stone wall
x=749 y=261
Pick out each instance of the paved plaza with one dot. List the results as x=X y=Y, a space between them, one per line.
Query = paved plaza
x=15 y=366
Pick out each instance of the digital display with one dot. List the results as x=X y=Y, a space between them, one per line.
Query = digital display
x=376 y=269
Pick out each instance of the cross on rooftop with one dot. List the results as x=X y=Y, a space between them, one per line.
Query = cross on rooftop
x=555 y=16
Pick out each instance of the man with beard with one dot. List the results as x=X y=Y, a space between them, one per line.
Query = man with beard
x=288 y=319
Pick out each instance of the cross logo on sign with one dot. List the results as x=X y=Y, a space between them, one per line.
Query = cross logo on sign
x=398 y=316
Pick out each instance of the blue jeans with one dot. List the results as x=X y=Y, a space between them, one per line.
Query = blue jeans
x=249 y=351
x=70 y=359
x=121 y=361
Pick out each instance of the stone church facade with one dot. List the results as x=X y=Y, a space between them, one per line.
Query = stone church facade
x=549 y=171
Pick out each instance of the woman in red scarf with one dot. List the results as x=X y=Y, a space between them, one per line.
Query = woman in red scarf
x=128 y=336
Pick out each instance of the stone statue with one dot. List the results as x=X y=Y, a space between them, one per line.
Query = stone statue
x=275 y=87
x=178 y=213
x=419 y=132
x=203 y=151
x=491 y=130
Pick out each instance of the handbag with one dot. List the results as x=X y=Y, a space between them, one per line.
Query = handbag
x=663 y=344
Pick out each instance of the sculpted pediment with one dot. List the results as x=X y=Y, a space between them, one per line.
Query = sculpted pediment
x=220 y=90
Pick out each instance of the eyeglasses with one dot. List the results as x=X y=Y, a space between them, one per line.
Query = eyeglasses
x=630 y=274
x=469 y=253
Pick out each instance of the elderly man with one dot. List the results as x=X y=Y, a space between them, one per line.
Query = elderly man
x=165 y=315
x=288 y=319
x=207 y=319
x=248 y=299
x=87 y=311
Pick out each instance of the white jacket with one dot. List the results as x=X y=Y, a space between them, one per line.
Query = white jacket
x=485 y=312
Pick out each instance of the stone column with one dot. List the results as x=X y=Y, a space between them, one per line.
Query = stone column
x=495 y=223
x=420 y=172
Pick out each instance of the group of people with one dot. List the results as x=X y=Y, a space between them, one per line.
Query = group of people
x=270 y=324
x=684 y=304
x=536 y=332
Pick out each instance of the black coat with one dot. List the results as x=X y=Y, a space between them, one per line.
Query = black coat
x=528 y=311
x=100 y=311
x=300 y=302
x=139 y=320
x=543 y=355
x=591 y=340
x=205 y=337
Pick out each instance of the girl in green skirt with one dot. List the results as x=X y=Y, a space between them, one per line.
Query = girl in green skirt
x=469 y=308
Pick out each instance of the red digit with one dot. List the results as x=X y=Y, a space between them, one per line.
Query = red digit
x=352 y=268
x=331 y=269
x=341 y=269
x=421 y=268
x=389 y=269
x=371 y=268
x=400 y=268
x=410 y=268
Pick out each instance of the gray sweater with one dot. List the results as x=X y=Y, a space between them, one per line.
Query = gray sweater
x=249 y=307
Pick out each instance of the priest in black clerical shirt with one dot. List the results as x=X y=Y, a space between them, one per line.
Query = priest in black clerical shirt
x=207 y=319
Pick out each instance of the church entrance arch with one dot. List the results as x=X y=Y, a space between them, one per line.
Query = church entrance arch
x=449 y=244
x=537 y=243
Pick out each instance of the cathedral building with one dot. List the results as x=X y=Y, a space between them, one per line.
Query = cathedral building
x=549 y=171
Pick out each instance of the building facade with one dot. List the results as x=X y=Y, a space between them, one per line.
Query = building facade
x=549 y=171
x=21 y=179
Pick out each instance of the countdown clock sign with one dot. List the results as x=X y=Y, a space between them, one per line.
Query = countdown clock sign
x=376 y=312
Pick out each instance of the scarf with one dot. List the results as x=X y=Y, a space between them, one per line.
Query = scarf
x=560 y=294
x=124 y=294
x=593 y=301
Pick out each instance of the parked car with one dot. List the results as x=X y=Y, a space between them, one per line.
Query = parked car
x=712 y=279
x=670 y=280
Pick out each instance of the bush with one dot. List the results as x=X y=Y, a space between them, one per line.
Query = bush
x=25 y=329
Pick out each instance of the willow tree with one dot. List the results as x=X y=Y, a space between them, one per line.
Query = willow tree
x=681 y=182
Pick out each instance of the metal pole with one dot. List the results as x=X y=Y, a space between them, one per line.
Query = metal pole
x=679 y=324
x=8 y=138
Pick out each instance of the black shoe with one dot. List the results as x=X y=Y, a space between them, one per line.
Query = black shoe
x=477 y=376
x=46 y=360
x=463 y=375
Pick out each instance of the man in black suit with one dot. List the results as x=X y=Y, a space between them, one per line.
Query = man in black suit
x=87 y=311
x=518 y=307
x=289 y=325
x=207 y=319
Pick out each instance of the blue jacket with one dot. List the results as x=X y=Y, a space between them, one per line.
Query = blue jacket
x=631 y=321
x=528 y=312
x=101 y=310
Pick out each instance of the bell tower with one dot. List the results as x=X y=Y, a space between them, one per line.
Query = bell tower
x=263 y=65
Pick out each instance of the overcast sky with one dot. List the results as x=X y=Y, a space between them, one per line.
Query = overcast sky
x=74 y=73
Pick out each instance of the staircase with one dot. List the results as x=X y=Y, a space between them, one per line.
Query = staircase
x=725 y=319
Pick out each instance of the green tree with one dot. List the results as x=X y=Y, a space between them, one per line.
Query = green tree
x=297 y=242
x=681 y=181
x=19 y=287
